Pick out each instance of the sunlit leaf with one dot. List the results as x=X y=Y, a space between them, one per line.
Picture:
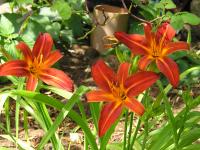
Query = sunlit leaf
x=63 y=9
x=6 y=26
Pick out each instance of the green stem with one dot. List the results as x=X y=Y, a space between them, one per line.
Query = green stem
x=41 y=107
x=182 y=76
x=172 y=121
x=26 y=125
x=17 y=108
x=130 y=130
x=169 y=114
x=85 y=142
x=183 y=123
x=135 y=133
x=83 y=114
x=125 y=129
x=48 y=122
x=146 y=122
x=146 y=128
x=7 y=113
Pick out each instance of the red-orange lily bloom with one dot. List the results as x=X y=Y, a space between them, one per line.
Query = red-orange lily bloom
x=155 y=46
x=118 y=90
x=36 y=65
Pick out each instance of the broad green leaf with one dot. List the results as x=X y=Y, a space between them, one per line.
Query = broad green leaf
x=177 y=22
x=67 y=35
x=15 y=19
x=148 y=12
x=42 y=19
x=134 y=27
x=24 y=1
x=168 y=4
x=63 y=9
x=190 y=18
x=54 y=30
x=10 y=47
x=183 y=64
x=31 y=32
x=178 y=55
x=159 y=5
x=6 y=26
x=48 y=12
x=76 y=25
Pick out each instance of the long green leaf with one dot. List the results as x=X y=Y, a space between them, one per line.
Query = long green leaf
x=61 y=116
x=182 y=76
x=192 y=147
x=106 y=137
x=189 y=137
x=95 y=111
x=41 y=98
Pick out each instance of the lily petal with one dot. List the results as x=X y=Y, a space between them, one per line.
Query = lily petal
x=139 y=82
x=56 y=78
x=103 y=75
x=135 y=106
x=31 y=83
x=26 y=51
x=109 y=115
x=122 y=73
x=53 y=58
x=16 y=68
x=135 y=42
x=43 y=45
x=175 y=46
x=167 y=30
x=148 y=31
x=170 y=69
x=144 y=62
x=99 y=96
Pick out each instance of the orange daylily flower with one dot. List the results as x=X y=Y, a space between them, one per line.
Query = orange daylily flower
x=36 y=65
x=118 y=90
x=155 y=46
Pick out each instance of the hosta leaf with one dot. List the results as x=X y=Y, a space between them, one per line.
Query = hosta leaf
x=24 y=1
x=6 y=26
x=54 y=30
x=10 y=48
x=62 y=8
x=177 y=22
x=190 y=18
